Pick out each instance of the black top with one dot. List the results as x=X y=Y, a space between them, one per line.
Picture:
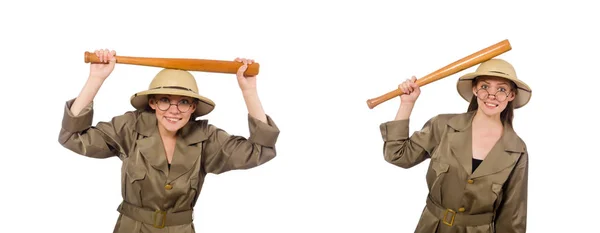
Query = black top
x=476 y=163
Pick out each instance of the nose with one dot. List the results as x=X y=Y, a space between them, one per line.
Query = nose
x=173 y=108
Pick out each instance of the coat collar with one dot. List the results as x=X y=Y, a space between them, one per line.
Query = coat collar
x=504 y=154
x=187 y=148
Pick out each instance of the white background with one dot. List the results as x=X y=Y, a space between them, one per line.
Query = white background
x=320 y=62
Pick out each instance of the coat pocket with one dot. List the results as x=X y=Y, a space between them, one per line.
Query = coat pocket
x=439 y=167
x=135 y=173
x=133 y=185
x=439 y=170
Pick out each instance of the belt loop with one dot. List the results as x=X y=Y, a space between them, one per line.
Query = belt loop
x=120 y=207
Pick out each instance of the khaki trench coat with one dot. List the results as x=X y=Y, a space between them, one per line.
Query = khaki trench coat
x=491 y=199
x=156 y=198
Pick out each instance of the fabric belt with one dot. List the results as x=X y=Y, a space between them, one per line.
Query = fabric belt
x=451 y=217
x=157 y=218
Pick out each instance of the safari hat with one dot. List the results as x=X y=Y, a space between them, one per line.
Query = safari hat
x=496 y=68
x=173 y=82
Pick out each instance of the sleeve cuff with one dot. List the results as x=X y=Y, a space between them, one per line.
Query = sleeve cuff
x=83 y=121
x=261 y=133
x=394 y=130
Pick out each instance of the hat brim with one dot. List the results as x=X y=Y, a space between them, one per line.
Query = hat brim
x=205 y=105
x=465 y=87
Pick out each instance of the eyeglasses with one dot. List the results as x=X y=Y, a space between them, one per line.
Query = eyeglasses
x=165 y=103
x=483 y=94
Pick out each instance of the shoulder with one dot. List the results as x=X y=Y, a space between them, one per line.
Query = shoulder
x=125 y=119
x=518 y=141
x=198 y=130
x=135 y=120
x=443 y=119
x=200 y=124
x=133 y=117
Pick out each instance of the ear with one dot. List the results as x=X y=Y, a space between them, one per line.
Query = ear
x=474 y=90
x=511 y=96
x=194 y=106
x=152 y=103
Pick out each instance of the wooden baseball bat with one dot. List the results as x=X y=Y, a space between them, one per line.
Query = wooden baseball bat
x=455 y=67
x=214 y=66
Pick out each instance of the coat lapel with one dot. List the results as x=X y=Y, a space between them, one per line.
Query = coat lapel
x=188 y=150
x=150 y=144
x=505 y=153
x=460 y=140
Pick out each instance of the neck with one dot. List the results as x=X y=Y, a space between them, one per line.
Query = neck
x=166 y=134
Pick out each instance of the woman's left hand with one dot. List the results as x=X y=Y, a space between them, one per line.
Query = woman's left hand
x=246 y=83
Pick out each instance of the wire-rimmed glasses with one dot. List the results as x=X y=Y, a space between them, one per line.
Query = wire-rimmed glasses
x=483 y=94
x=183 y=105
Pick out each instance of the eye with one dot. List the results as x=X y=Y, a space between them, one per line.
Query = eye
x=484 y=86
x=164 y=100
x=185 y=101
x=502 y=89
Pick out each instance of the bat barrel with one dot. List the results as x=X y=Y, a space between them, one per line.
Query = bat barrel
x=204 y=65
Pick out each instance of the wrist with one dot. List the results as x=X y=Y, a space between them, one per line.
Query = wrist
x=249 y=92
x=96 y=79
x=407 y=104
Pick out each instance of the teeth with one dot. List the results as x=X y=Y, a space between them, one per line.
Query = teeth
x=172 y=119
x=491 y=105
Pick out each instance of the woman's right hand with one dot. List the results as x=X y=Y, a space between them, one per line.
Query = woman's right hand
x=411 y=91
x=102 y=70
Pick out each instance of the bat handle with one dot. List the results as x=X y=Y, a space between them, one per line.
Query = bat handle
x=92 y=58
x=385 y=97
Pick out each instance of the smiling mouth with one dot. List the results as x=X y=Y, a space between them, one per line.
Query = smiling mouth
x=491 y=104
x=173 y=119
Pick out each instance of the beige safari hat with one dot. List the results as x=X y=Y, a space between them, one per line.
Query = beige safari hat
x=173 y=82
x=497 y=68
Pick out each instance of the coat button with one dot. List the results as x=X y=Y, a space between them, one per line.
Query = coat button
x=461 y=209
x=168 y=187
x=470 y=181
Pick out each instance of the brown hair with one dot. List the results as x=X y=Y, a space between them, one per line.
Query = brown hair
x=507 y=115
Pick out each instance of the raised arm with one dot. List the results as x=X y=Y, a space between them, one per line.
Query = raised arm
x=404 y=151
x=98 y=73
x=104 y=140
x=224 y=152
x=77 y=133
x=400 y=149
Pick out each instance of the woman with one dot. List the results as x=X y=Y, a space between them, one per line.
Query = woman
x=477 y=176
x=166 y=152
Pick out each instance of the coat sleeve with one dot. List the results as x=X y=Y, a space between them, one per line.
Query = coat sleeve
x=224 y=152
x=104 y=140
x=512 y=213
x=404 y=151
